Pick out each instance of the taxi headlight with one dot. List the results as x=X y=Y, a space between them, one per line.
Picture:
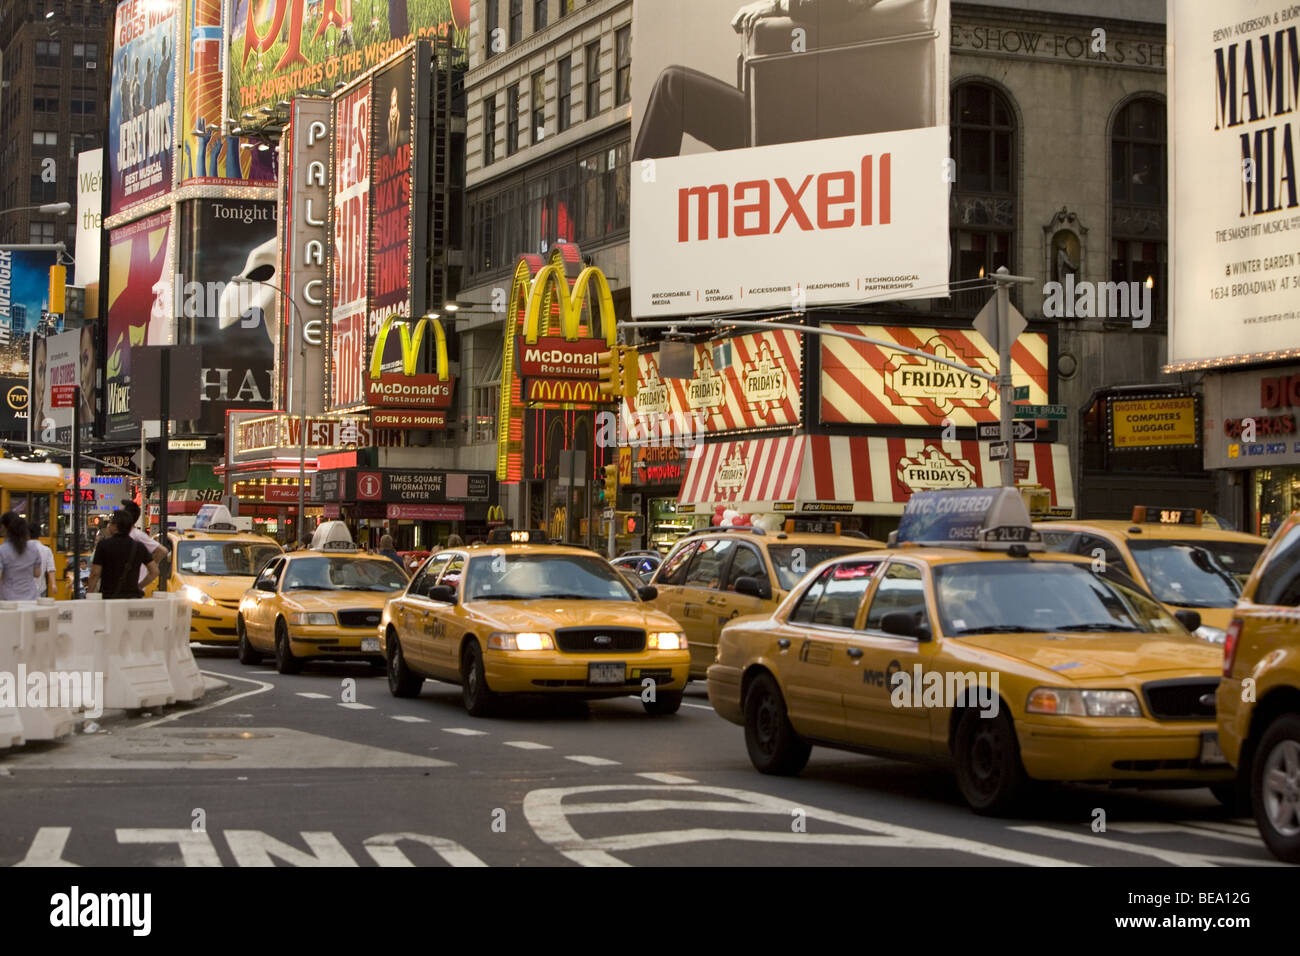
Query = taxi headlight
x=1215 y=635
x=666 y=641
x=1070 y=702
x=312 y=619
x=197 y=596
x=522 y=641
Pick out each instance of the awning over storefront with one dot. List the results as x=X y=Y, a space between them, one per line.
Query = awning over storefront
x=825 y=474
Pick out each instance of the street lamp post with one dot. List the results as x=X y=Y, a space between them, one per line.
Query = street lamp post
x=49 y=208
x=260 y=275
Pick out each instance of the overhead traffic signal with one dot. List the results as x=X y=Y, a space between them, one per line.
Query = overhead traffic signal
x=630 y=372
x=609 y=493
x=611 y=374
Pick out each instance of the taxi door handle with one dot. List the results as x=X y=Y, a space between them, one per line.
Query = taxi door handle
x=855 y=652
x=783 y=642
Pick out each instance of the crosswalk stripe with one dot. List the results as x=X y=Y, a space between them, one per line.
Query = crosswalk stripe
x=527 y=745
x=465 y=731
x=357 y=706
x=313 y=696
x=666 y=778
x=409 y=719
x=593 y=761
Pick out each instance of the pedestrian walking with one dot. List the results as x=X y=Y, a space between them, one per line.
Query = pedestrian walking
x=118 y=560
x=20 y=563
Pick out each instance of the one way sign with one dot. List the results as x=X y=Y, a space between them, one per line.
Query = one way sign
x=1021 y=430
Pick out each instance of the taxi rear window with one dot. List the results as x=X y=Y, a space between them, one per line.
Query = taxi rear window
x=1196 y=573
x=834 y=598
x=793 y=561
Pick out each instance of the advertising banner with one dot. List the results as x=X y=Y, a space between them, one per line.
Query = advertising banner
x=350 y=223
x=761 y=190
x=208 y=157
x=304 y=236
x=24 y=298
x=1156 y=422
x=864 y=384
x=391 y=190
x=1233 y=194
x=141 y=103
x=90 y=184
x=224 y=238
x=756 y=385
x=140 y=309
x=13 y=408
x=1268 y=399
x=59 y=363
x=282 y=47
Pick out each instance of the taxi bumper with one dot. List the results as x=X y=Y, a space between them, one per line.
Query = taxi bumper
x=1130 y=751
x=334 y=642
x=550 y=672
x=724 y=692
x=213 y=624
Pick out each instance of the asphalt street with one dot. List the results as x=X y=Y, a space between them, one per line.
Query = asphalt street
x=326 y=768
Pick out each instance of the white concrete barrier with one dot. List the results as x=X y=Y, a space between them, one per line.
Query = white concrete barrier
x=11 y=725
x=49 y=693
x=135 y=663
x=187 y=682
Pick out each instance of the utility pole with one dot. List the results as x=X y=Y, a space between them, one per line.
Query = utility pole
x=76 y=492
x=1007 y=336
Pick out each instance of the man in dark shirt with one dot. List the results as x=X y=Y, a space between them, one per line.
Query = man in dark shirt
x=117 y=562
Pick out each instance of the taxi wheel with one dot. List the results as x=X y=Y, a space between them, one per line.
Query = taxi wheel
x=987 y=755
x=773 y=745
x=402 y=682
x=285 y=662
x=246 y=653
x=666 y=702
x=479 y=701
x=1275 y=779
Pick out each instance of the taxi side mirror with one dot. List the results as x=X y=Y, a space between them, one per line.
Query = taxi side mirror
x=442 y=593
x=647 y=592
x=1189 y=619
x=754 y=587
x=904 y=624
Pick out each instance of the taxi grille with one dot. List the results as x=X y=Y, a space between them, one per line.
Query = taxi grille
x=368 y=617
x=598 y=640
x=1181 y=698
x=228 y=605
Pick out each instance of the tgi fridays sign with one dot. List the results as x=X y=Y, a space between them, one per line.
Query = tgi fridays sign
x=864 y=384
x=1252 y=419
x=759 y=388
x=932 y=470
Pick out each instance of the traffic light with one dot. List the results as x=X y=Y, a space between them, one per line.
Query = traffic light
x=611 y=374
x=635 y=524
x=609 y=493
x=630 y=372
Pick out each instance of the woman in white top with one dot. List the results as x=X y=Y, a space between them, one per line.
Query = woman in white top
x=20 y=564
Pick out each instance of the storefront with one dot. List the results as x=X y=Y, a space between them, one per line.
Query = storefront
x=1251 y=430
x=420 y=509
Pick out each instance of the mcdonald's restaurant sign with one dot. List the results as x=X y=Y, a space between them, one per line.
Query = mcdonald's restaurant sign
x=496 y=516
x=409 y=388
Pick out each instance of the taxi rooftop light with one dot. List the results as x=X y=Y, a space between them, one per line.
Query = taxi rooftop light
x=1152 y=514
x=212 y=518
x=332 y=536
x=985 y=519
x=512 y=536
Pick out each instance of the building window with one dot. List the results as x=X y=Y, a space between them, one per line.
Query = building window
x=491 y=25
x=623 y=73
x=84 y=141
x=564 y=100
x=85 y=56
x=45 y=99
x=593 y=79
x=1139 y=209
x=44 y=142
x=537 y=102
x=82 y=106
x=512 y=120
x=42 y=191
x=42 y=232
x=48 y=53
x=539 y=14
x=483 y=415
x=516 y=21
x=983 y=213
x=489 y=131
x=566 y=7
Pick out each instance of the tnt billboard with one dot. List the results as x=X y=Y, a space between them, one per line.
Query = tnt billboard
x=141 y=103
x=816 y=176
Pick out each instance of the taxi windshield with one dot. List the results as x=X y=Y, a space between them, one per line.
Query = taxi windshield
x=529 y=577
x=223 y=558
x=793 y=561
x=999 y=597
x=343 y=574
x=1196 y=573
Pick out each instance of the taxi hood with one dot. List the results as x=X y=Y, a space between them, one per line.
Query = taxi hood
x=227 y=587
x=1081 y=657
x=548 y=614
x=334 y=600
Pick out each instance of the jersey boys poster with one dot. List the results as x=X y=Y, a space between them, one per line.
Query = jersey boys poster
x=140 y=106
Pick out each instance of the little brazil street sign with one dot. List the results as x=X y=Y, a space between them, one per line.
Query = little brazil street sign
x=1054 y=412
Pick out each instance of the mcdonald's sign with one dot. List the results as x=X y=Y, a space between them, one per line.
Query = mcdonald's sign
x=409 y=388
x=562 y=390
x=496 y=516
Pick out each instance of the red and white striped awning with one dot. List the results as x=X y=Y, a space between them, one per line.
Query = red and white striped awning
x=834 y=474
x=749 y=476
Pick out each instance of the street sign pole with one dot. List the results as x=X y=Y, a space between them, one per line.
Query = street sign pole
x=1006 y=337
x=76 y=492
x=164 y=399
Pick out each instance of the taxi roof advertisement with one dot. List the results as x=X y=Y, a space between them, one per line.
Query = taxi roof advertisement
x=282 y=47
x=140 y=103
x=761 y=191
x=1234 y=208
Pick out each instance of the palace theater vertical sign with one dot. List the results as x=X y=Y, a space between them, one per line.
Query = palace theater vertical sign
x=350 y=219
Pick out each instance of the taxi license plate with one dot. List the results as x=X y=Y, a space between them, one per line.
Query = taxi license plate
x=1211 y=755
x=370 y=644
x=607 y=673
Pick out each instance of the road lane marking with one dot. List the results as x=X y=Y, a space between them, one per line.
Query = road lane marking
x=465 y=731
x=697 y=706
x=313 y=695
x=527 y=745
x=262 y=687
x=593 y=761
x=666 y=778
x=47 y=848
x=1172 y=857
x=409 y=719
x=352 y=706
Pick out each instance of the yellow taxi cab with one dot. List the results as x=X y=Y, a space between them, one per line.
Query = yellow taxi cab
x=715 y=575
x=522 y=616
x=320 y=603
x=212 y=565
x=1180 y=555
x=968 y=643
x=1259 y=699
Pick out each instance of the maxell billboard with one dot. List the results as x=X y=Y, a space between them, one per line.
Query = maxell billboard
x=818 y=178
x=350 y=225
x=1234 y=203
x=141 y=103
x=304 y=237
